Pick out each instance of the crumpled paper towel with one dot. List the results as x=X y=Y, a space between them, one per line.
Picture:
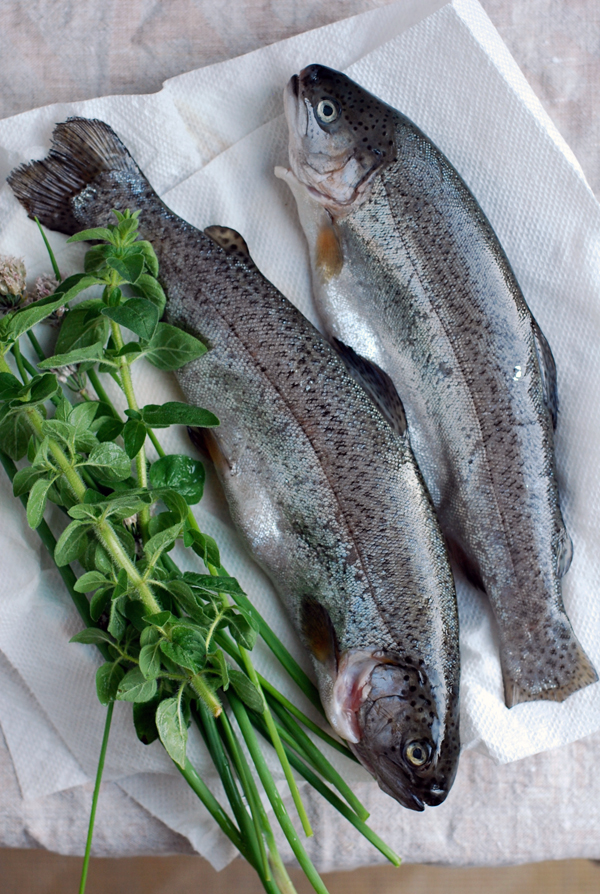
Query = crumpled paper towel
x=208 y=143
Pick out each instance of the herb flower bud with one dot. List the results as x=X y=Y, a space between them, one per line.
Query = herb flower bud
x=12 y=280
x=45 y=285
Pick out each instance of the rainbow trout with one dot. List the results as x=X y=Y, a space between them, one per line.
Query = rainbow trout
x=325 y=493
x=408 y=272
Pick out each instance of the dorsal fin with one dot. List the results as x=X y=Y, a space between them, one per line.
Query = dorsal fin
x=231 y=241
x=376 y=383
x=548 y=369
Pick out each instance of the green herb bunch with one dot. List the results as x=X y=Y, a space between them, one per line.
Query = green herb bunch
x=177 y=645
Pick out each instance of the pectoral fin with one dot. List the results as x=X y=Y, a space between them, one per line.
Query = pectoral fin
x=231 y=241
x=548 y=370
x=376 y=383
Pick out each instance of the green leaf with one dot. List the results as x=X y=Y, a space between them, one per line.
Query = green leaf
x=83 y=326
x=109 y=429
x=126 y=506
x=101 y=233
x=217 y=584
x=60 y=431
x=129 y=268
x=111 y=461
x=161 y=542
x=147 y=287
x=117 y=623
x=172 y=729
x=149 y=635
x=42 y=387
x=246 y=690
x=135 y=612
x=71 y=543
x=94 y=261
x=108 y=679
x=89 y=581
x=83 y=414
x=144 y=720
x=180 y=472
x=217 y=660
x=187 y=648
x=243 y=630
x=150 y=660
x=93 y=636
x=37 y=501
x=149 y=257
x=78 y=355
x=171 y=348
x=25 y=479
x=86 y=511
x=10 y=386
x=99 y=602
x=175 y=503
x=174 y=412
x=205 y=547
x=134 y=435
x=137 y=314
x=159 y=619
x=135 y=688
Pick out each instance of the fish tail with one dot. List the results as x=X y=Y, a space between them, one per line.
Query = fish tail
x=85 y=155
x=551 y=670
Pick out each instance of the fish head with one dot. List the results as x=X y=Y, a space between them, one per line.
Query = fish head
x=340 y=136
x=409 y=737
x=399 y=717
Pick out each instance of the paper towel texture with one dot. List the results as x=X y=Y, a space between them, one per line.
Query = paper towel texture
x=208 y=143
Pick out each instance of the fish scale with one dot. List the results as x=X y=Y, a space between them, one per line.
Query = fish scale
x=326 y=495
x=422 y=288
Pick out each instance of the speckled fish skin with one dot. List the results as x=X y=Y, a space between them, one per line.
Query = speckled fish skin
x=328 y=498
x=408 y=271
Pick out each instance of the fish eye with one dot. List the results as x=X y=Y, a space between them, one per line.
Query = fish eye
x=328 y=111
x=417 y=753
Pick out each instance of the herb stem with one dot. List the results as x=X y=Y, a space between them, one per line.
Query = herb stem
x=140 y=459
x=206 y=694
x=19 y=360
x=88 y=846
x=99 y=389
x=35 y=345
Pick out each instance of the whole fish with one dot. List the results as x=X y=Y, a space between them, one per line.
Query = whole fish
x=327 y=496
x=408 y=272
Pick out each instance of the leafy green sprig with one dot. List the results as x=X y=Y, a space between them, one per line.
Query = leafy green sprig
x=164 y=634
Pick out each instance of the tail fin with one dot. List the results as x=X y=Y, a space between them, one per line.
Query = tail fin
x=82 y=150
x=551 y=673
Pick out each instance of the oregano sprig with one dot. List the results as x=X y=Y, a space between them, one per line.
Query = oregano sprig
x=169 y=638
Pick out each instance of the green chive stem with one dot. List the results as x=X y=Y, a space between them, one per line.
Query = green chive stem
x=273 y=795
x=276 y=741
x=214 y=808
x=333 y=799
x=320 y=762
x=88 y=846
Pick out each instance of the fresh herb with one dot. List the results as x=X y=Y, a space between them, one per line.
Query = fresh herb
x=177 y=645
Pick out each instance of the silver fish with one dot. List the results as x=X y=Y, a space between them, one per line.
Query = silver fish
x=327 y=496
x=408 y=272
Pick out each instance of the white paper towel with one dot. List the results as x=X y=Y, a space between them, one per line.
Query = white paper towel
x=208 y=143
